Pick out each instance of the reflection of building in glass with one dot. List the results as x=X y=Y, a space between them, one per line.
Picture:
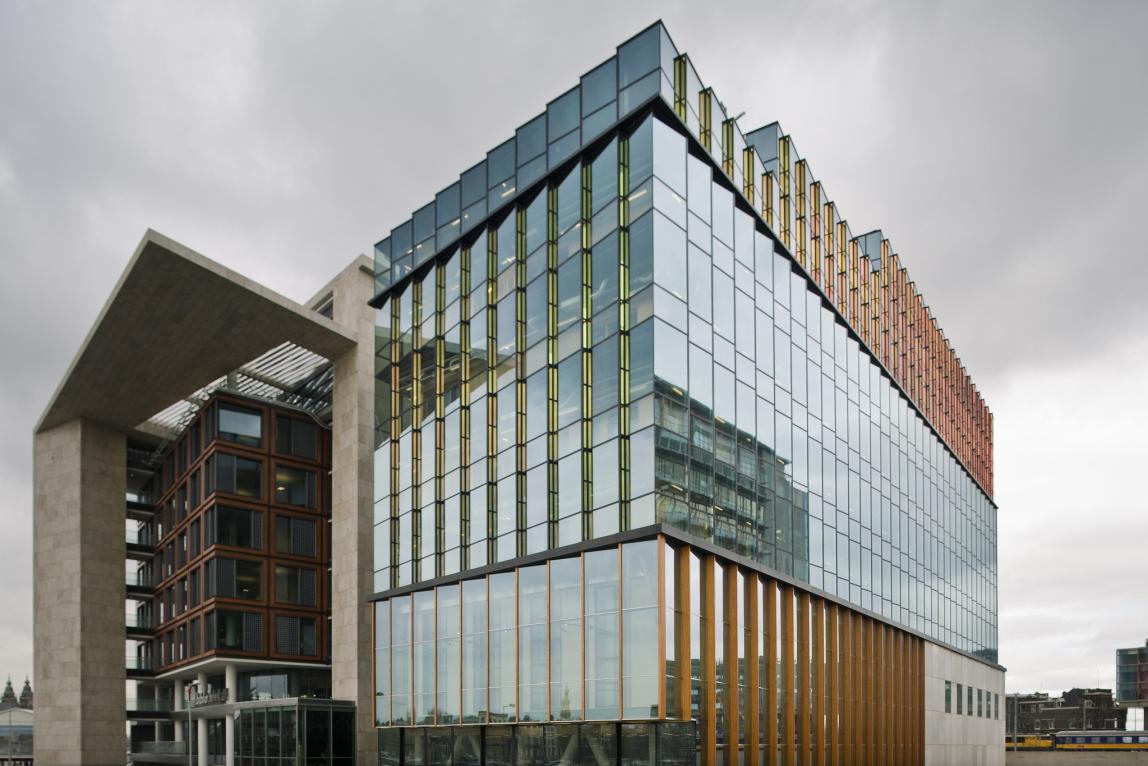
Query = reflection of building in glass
x=632 y=336
x=1132 y=676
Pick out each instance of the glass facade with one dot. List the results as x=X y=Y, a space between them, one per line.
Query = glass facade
x=630 y=346
x=669 y=743
x=1132 y=675
x=594 y=637
x=585 y=622
x=301 y=731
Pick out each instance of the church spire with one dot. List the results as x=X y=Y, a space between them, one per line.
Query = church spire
x=26 y=694
x=9 y=697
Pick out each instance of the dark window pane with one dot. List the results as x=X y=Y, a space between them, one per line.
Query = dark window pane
x=240 y=425
x=296 y=437
x=294 y=486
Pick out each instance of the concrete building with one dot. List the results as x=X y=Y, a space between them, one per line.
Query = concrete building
x=149 y=433
x=1074 y=710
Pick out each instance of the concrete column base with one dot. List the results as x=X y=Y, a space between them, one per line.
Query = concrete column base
x=80 y=485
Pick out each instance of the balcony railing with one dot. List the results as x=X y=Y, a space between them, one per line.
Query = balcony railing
x=165 y=748
x=139 y=621
x=139 y=535
x=150 y=705
x=139 y=580
x=135 y=662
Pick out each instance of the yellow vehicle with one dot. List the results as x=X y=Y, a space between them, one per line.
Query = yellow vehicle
x=1029 y=742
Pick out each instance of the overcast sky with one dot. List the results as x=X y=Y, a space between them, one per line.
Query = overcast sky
x=1002 y=147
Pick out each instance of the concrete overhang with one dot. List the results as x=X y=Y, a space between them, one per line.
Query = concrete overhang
x=175 y=322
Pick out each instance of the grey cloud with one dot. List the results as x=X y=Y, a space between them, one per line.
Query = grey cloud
x=1000 y=146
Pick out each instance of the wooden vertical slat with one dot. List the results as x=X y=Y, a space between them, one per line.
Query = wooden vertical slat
x=919 y=714
x=857 y=671
x=846 y=710
x=868 y=697
x=906 y=675
x=684 y=651
x=662 y=627
x=879 y=692
x=890 y=695
x=911 y=703
x=804 y=699
x=752 y=671
x=709 y=663
x=897 y=733
x=788 y=735
x=769 y=599
x=859 y=688
x=730 y=632
x=882 y=689
x=832 y=686
x=818 y=664
x=911 y=700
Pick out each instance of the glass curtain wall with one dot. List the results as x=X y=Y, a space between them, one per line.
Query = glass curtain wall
x=553 y=381
x=774 y=669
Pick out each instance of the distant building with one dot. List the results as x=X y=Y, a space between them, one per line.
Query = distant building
x=9 y=699
x=16 y=725
x=1132 y=676
x=26 y=695
x=1074 y=710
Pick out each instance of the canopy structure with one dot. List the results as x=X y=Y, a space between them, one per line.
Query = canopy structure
x=155 y=349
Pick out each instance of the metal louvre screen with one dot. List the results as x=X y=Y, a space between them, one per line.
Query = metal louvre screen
x=287 y=635
x=225 y=578
x=307 y=587
x=302 y=537
x=252 y=632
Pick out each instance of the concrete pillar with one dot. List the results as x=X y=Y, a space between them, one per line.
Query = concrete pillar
x=177 y=706
x=352 y=486
x=201 y=724
x=231 y=679
x=80 y=483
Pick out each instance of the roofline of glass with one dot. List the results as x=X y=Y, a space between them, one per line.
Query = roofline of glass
x=641 y=68
x=644 y=74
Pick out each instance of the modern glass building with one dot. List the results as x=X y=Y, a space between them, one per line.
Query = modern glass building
x=670 y=467
x=1132 y=676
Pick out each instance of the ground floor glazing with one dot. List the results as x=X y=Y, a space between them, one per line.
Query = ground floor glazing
x=614 y=743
